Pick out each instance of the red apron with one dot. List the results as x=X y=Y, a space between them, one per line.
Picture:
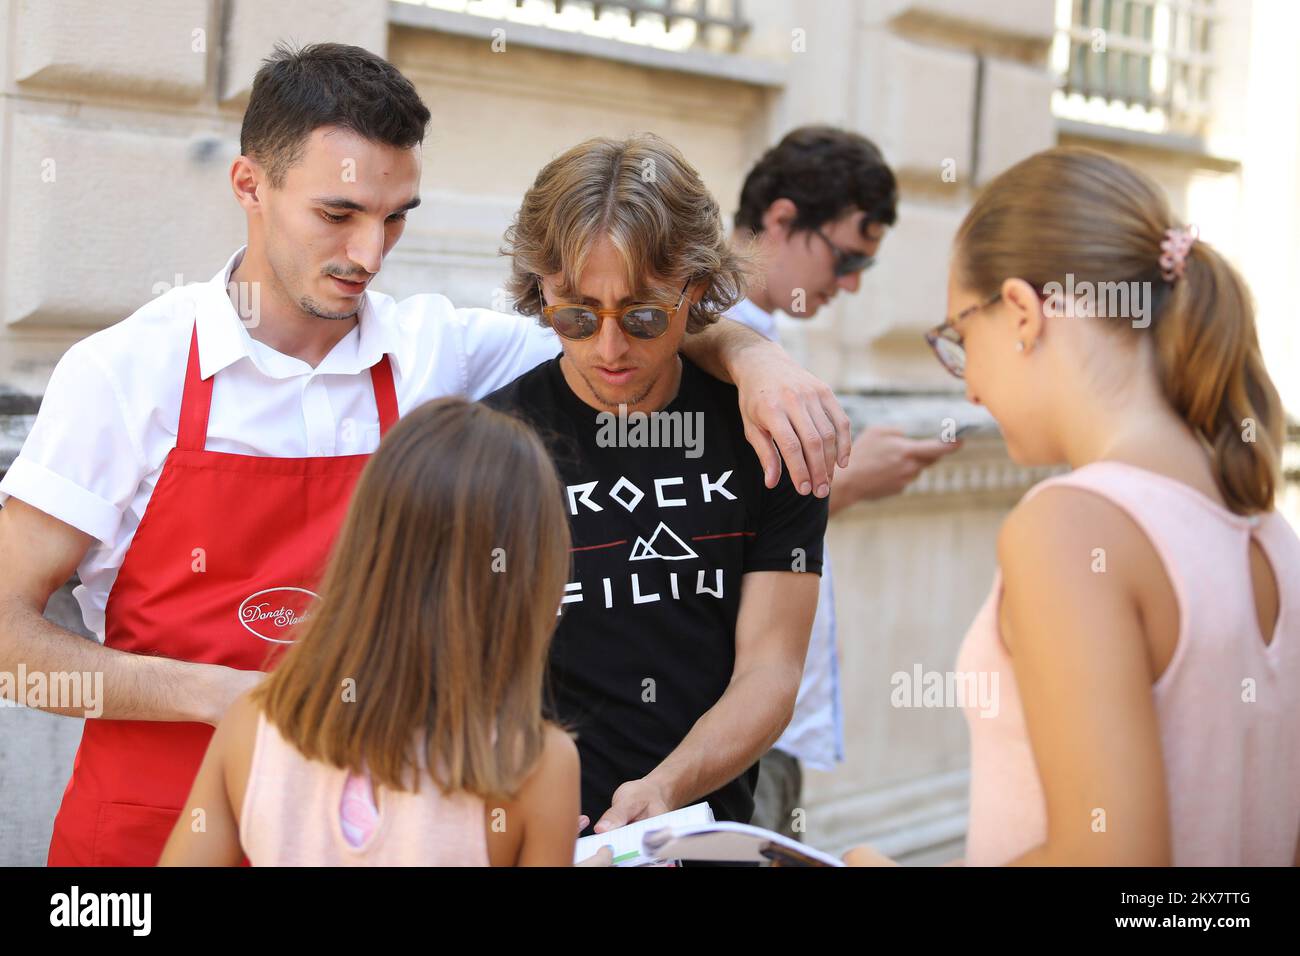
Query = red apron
x=220 y=571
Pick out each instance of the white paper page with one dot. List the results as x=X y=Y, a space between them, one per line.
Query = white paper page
x=626 y=841
x=724 y=842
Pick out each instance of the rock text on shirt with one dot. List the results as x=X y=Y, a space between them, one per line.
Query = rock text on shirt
x=663 y=544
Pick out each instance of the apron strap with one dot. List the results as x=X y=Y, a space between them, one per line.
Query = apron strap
x=196 y=402
x=196 y=399
x=381 y=377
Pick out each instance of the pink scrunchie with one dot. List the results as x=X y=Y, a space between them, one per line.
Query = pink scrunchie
x=1173 y=251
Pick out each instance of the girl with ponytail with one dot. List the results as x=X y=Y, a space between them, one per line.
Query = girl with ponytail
x=1144 y=623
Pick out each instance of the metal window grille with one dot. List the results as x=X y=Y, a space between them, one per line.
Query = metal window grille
x=714 y=25
x=1152 y=55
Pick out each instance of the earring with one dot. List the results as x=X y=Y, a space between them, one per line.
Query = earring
x=1020 y=346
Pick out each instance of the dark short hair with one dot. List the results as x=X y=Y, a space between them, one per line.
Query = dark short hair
x=327 y=84
x=825 y=172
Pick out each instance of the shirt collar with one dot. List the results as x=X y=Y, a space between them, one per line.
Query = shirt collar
x=224 y=339
x=380 y=334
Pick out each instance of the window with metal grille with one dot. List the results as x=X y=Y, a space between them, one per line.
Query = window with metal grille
x=712 y=25
x=1140 y=64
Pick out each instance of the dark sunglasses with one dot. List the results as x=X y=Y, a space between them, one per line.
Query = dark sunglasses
x=642 y=320
x=846 y=263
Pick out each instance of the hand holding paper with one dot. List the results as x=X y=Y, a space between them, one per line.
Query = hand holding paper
x=633 y=801
x=626 y=841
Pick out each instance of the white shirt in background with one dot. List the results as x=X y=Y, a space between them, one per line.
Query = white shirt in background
x=816 y=731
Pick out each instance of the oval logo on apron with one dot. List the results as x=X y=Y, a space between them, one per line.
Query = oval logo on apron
x=274 y=613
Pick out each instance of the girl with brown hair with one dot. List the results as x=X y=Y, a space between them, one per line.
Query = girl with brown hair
x=405 y=726
x=1144 y=624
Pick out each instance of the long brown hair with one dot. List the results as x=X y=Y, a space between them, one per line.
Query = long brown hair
x=1078 y=211
x=436 y=610
x=651 y=203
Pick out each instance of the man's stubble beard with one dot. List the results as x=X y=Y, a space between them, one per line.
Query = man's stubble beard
x=309 y=306
x=306 y=303
x=614 y=404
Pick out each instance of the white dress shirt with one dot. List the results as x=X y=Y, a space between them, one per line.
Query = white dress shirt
x=109 y=415
x=816 y=731
x=764 y=323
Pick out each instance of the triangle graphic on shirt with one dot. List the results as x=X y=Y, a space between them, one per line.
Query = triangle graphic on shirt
x=663 y=544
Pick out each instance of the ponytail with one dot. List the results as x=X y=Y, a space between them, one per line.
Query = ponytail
x=1213 y=375
x=1209 y=363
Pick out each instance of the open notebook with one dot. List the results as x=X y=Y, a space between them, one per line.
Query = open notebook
x=727 y=842
x=692 y=834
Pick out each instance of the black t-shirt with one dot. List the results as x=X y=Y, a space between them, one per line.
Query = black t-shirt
x=661 y=537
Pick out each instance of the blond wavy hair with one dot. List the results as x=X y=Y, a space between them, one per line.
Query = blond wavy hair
x=643 y=195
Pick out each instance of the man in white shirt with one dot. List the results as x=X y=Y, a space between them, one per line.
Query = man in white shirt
x=817 y=206
x=193 y=461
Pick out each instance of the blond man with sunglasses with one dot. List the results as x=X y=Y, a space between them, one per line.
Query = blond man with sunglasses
x=685 y=623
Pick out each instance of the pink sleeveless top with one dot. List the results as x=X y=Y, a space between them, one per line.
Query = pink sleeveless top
x=1232 y=767
x=295 y=814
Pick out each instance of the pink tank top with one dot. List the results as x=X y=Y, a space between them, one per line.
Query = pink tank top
x=301 y=812
x=1232 y=767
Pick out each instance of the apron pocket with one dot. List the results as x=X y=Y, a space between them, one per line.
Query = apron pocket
x=127 y=834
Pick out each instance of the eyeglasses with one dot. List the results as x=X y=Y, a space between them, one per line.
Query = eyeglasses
x=947 y=342
x=642 y=320
x=846 y=263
